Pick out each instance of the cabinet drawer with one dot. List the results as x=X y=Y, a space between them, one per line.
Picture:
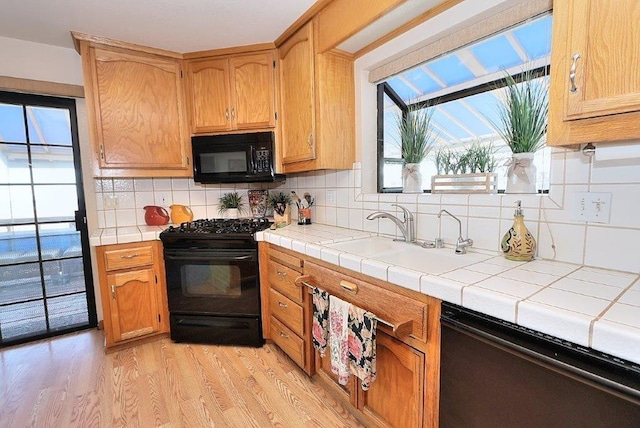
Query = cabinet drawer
x=288 y=341
x=287 y=311
x=129 y=257
x=285 y=259
x=385 y=304
x=283 y=279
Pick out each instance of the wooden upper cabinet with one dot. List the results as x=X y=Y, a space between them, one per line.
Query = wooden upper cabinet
x=209 y=95
x=317 y=99
x=231 y=93
x=297 y=97
x=136 y=112
x=595 y=80
x=253 y=91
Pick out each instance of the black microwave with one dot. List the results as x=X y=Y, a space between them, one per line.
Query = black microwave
x=234 y=158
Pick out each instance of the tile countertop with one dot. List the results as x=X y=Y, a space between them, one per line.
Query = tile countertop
x=592 y=307
x=123 y=235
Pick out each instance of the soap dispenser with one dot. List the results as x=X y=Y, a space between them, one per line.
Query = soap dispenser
x=518 y=243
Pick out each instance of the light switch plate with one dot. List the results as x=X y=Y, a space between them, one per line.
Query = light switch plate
x=331 y=196
x=592 y=207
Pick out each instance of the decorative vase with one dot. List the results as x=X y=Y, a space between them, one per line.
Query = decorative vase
x=522 y=174
x=411 y=178
x=232 y=213
x=518 y=244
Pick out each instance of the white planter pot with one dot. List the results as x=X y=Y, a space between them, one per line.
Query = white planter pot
x=411 y=178
x=232 y=213
x=522 y=174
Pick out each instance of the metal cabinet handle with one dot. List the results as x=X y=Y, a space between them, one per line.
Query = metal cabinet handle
x=572 y=73
x=130 y=256
x=226 y=114
x=310 y=139
x=283 y=334
x=281 y=274
x=282 y=305
x=233 y=114
x=113 y=291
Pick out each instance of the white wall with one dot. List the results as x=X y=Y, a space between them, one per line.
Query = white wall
x=36 y=61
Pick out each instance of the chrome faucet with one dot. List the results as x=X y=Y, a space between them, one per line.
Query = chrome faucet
x=407 y=227
x=462 y=244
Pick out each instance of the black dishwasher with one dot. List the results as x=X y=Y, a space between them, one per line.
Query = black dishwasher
x=497 y=374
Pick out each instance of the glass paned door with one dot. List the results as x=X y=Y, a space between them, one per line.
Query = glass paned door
x=45 y=274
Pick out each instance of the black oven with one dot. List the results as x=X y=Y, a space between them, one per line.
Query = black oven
x=213 y=284
x=234 y=158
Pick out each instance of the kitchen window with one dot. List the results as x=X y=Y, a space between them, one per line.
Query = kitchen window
x=463 y=89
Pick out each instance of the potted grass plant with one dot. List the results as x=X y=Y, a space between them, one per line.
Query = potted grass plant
x=467 y=169
x=523 y=116
x=417 y=139
x=230 y=205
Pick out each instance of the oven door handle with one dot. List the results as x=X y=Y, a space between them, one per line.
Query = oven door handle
x=216 y=257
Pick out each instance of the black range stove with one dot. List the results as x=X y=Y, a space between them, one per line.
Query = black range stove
x=216 y=228
x=213 y=281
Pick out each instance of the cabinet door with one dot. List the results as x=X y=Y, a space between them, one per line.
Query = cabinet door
x=297 y=98
x=396 y=397
x=138 y=105
x=608 y=45
x=133 y=303
x=602 y=101
x=209 y=95
x=323 y=369
x=253 y=91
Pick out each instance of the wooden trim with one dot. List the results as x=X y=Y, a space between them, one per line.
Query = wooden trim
x=41 y=87
x=344 y=18
x=435 y=11
x=104 y=41
x=236 y=50
x=483 y=25
x=300 y=22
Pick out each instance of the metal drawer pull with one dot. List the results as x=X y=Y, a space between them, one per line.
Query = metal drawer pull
x=282 y=305
x=572 y=73
x=283 y=334
x=130 y=256
x=349 y=286
x=281 y=274
x=113 y=291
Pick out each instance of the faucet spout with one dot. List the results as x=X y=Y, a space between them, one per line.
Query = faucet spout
x=407 y=226
x=462 y=244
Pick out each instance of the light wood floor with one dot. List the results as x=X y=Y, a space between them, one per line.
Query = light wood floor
x=70 y=382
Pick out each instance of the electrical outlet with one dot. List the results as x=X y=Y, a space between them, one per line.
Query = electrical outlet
x=592 y=207
x=110 y=202
x=331 y=196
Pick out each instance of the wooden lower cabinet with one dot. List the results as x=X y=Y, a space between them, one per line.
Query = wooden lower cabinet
x=132 y=288
x=286 y=307
x=405 y=392
x=396 y=397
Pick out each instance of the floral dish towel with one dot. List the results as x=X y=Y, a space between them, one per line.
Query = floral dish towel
x=320 y=330
x=362 y=345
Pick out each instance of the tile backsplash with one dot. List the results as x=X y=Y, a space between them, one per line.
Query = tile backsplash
x=339 y=201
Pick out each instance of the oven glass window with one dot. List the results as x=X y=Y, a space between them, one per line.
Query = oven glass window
x=211 y=280
x=223 y=162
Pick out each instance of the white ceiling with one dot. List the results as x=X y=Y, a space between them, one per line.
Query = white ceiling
x=176 y=25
